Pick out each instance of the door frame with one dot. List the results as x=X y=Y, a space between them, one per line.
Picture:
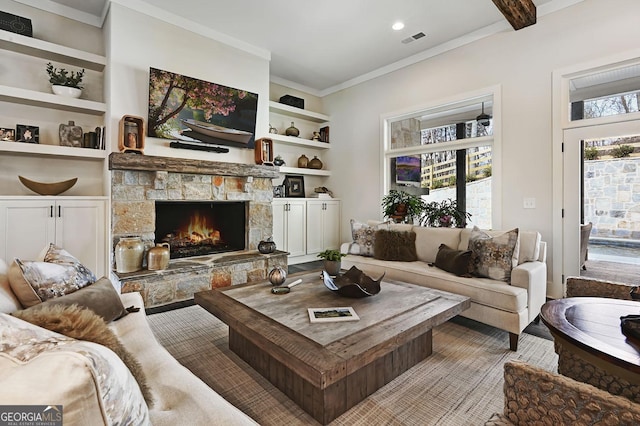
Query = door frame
x=572 y=183
x=561 y=122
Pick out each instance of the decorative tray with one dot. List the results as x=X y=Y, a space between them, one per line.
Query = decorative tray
x=353 y=283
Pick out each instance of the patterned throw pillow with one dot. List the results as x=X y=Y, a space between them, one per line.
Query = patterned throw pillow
x=91 y=383
x=364 y=237
x=60 y=273
x=493 y=257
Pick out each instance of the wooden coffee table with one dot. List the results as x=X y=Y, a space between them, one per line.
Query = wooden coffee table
x=327 y=368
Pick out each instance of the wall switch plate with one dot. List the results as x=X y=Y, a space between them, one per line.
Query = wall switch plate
x=529 y=203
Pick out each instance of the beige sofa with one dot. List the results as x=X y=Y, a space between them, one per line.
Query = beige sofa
x=510 y=306
x=180 y=398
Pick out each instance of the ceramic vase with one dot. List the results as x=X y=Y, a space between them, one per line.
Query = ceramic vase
x=158 y=257
x=303 y=161
x=66 y=91
x=292 y=131
x=128 y=254
x=315 y=163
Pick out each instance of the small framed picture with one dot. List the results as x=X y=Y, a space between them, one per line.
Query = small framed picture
x=332 y=314
x=278 y=191
x=293 y=186
x=8 y=135
x=28 y=134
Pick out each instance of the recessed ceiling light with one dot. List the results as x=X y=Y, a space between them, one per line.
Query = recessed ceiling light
x=398 y=26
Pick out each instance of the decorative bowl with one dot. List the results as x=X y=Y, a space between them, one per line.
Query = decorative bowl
x=353 y=283
x=53 y=188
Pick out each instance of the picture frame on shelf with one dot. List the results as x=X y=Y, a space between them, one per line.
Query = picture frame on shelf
x=7 y=135
x=27 y=134
x=293 y=186
x=278 y=191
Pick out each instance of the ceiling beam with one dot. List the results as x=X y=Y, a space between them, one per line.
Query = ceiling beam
x=519 y=13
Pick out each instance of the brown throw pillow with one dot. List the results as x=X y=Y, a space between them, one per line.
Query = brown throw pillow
x=395 y=245
x=493 y=257
x=82 y=324
x=454 y=261
x=100 y=297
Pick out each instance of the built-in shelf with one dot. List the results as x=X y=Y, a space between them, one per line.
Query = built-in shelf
x=303 y=171
x=290 y=140
x=51 y=51
x=52 y=150
x=49 y=100
x=297 y=112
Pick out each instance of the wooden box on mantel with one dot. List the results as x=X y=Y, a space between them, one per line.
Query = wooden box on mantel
x=131 y=134
x=264 y=151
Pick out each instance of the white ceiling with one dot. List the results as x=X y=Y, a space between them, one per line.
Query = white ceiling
x=325 y=45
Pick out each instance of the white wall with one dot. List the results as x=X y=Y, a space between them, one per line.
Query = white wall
x=137 y=42
x=522 y=63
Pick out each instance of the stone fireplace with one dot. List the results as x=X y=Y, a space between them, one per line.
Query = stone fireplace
x=143 y=186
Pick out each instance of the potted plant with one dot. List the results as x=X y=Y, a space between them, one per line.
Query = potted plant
x=332 y=261
x=444 y=214
x=402 y=206
x=65 y=83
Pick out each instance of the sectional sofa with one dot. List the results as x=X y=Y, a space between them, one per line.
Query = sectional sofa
x=510 y=305
x=94 y=387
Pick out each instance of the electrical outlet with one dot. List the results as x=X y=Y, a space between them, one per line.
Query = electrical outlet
x=529 y=203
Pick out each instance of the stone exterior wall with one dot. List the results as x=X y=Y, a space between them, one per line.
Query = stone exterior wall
x=612 y=198
x=478 y=201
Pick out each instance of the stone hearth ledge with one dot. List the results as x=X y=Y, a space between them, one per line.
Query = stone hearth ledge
x=184 y=277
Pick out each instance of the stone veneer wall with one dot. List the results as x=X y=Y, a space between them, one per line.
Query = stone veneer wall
x=137 y=181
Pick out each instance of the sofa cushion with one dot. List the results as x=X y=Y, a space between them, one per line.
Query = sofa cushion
x=88 y=380
x=363 y=235
x=83 y=324
x=454 y=261
x=493 y=257
x=8 y=300
x=100 y=297
x=529 y=246
x=483 y=291
x=395 y=245
x=428 y=240
x=60 y=273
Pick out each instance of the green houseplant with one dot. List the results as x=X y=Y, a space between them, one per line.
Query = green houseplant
x=400 y=205
x=65 y=83
x=444 y=214
x=332 y=261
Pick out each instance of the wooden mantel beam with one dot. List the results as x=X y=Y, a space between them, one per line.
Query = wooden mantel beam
x=519 y=13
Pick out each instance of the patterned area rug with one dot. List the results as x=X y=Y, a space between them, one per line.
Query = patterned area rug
x=459 y=384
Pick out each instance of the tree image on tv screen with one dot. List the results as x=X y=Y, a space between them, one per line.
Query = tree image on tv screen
x=181 y=106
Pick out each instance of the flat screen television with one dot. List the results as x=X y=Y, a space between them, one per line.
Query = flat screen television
x=408 y=170
x=192 y=110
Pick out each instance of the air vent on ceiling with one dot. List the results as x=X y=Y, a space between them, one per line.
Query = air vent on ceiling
x=414 y=37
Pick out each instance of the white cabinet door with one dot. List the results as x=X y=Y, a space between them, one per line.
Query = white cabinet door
x=77 y=226
x=296 y=228
x=323 y=225
x=315 y=213
x=81 y=230
x=27 y=228
x=331 y=225
x=279 y=224
x=289 y=225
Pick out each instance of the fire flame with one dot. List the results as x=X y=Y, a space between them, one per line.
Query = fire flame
x=199 y=230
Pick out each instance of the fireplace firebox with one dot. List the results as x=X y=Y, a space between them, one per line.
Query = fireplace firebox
x=195 y=228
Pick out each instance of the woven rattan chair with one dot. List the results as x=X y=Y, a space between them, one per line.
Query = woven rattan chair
x=589 y=287
x=533 y=396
